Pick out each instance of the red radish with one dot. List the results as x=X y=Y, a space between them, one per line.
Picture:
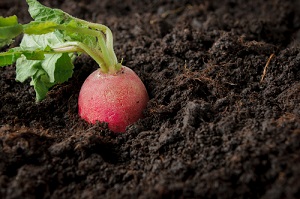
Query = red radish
x=118 y=99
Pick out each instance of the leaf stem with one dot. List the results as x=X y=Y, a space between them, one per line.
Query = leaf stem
x=74 y=46
x=102 y=33
x=115 y=65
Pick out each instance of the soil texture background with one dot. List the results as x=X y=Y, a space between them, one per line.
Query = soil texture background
x=223 y=120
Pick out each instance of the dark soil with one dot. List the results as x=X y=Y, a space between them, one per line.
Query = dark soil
x=213 y=127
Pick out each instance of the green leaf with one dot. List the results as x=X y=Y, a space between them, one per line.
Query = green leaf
x=40 y=12
x=26 y=68
x=9 y=57
x=39 y=28
x=41 y=42
x=40 y=82
x=63 y=68
x=33 y=47
x=46 y=51
x=54 y=62
x=34 y=55
x=39 y=79
x=49 y=65
x=9 y=29
x=8 y=21
x=53 y=68
x=49 y=19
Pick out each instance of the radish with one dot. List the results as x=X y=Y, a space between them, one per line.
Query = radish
x=112 y=94
x=117 y=99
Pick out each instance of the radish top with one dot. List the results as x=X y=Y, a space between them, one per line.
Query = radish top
x=50 y=44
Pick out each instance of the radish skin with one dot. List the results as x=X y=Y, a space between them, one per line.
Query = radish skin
x=118 y=99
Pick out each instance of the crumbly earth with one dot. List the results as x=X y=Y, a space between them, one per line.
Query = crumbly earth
x=223 y=120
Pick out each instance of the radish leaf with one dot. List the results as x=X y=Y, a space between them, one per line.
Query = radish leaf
x=40 y=12
x=54 y=68
x=50 y=44
x=9 y=29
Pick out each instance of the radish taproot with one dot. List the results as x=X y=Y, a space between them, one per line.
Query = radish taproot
x=112 y=94
x=117 y=99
